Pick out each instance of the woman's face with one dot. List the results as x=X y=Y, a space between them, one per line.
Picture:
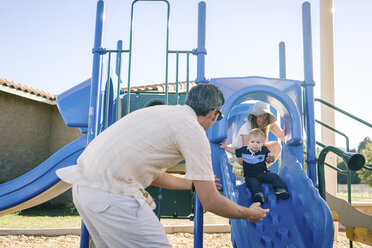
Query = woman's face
x=261 y=121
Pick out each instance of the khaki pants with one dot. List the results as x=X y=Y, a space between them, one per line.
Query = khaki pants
x=117 y=220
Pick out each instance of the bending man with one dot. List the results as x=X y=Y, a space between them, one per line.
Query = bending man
x=111 y=176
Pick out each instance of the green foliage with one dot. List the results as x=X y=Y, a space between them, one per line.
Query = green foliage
x=237 y=169
x=48 y=209
x=366 y=150
x=363 y=145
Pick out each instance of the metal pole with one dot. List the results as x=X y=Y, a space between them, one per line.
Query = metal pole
x=200 y=51
x=283 y=75
x=166 y=56
x=107 y=92
x=177 y=65
x=92 y=119
x=187 y=73
x=198 y=222
x=97 y=50
x=327 y=89
x=309 y=93
x=119 y=47
x=282 y=62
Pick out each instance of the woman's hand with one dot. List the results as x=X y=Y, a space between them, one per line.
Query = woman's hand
x=223 y=144
x=240 y=161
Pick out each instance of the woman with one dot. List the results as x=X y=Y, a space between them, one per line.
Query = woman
x=263 y=119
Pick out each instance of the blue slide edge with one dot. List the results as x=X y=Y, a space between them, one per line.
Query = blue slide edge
x=41 y=178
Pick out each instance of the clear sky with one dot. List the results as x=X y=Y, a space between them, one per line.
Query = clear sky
x=47 y=44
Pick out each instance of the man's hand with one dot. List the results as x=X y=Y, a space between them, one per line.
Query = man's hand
x=256 y=213
x=270 y=158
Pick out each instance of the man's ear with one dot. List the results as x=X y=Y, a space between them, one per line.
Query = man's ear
x=212 y=114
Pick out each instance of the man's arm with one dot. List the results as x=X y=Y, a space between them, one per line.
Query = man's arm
x=214 y=202
x=169 y=181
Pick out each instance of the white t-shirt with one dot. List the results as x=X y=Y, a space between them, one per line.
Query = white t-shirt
x=237 y=141
x=128 y=156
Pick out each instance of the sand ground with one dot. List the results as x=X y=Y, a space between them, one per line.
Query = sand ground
x=178 y=240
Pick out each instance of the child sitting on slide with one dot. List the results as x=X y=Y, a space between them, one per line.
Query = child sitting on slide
x=253 y=158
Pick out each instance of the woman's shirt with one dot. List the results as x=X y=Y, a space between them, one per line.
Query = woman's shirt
x=237 y=141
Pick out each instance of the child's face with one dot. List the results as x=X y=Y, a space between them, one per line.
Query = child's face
x=255 y=143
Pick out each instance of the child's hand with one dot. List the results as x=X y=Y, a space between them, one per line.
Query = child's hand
x=270 y=158
x=223 y=144
x=218 y=185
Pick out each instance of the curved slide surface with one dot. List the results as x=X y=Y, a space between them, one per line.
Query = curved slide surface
x=304 y=220
x=40 y=184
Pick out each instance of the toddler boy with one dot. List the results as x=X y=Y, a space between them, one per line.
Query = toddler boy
x=254 y=158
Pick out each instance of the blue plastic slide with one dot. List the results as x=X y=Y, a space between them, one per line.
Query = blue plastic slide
x=40 y=184
x=304 y=220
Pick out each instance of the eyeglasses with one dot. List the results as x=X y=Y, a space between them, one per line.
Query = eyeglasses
x=220 y=115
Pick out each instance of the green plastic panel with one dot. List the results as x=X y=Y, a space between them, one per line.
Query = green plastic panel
x=143 y=100
x=175 y=203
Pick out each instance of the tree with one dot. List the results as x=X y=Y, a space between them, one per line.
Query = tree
x=363 y=145
x=366 y=149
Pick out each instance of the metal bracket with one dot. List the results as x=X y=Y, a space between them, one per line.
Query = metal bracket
x=311 y=161
x=197 y=51
x=100 y=50
x=203 y=81
x=308 y=83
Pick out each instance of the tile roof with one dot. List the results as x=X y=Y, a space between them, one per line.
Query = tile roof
x=48 y=96
x=161 y=87
x=27 y=89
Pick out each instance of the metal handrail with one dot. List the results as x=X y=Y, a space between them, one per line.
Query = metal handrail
x=336 y=131
x=346 y=157
x=343 y=112
x=130 y=49
x=366 y=166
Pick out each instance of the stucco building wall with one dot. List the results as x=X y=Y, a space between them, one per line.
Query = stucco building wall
x=30 y=132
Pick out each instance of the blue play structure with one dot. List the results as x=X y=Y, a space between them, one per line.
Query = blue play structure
x=304 y=220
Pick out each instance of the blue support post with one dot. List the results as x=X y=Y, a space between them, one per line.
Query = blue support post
x=84 y=238
x=198 y=222
x=282 y=62
x=92 y=120
x=97 y=50
x=282 y=74
x=119 y=46
x=309 y=93
x=200 y=51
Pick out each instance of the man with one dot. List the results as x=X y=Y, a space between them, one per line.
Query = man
x=112 y=173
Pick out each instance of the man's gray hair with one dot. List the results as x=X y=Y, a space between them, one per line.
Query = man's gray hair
x=202 y=98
